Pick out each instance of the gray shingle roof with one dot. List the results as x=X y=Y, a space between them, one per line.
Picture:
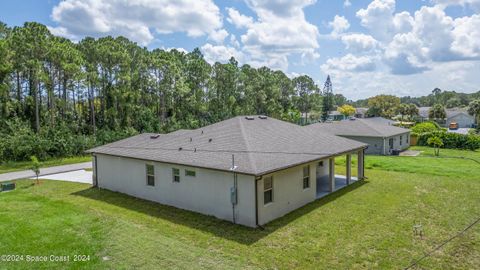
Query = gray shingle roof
x=364 y=127
x=260 y=146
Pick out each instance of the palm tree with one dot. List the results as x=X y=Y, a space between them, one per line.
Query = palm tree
x=474 y=109
x=437 y=112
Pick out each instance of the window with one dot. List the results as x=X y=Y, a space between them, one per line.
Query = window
x=401 y=140
x=320 y=164
x=267 y=190
x=176 y=174
x=190 y=173
x=306 y=177
x=150 y=174
x=407 y=138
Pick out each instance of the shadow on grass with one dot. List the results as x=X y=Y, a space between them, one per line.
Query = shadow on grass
x=220 y=228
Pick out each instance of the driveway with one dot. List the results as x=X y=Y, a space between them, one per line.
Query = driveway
x=460 y=130
x=80 y=176
x=45 y=171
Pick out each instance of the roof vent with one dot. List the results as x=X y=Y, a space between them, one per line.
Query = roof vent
x=191 y=139
x=262 y=116
x=249 y=118
x=155 y=136
x=202 y=131
x=180 y=149
x=210 y=140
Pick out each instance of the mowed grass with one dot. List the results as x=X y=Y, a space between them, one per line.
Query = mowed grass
x=368 y=225
x=451 y=163
x=12 y=166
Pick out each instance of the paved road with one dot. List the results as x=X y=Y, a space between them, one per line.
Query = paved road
x=45 y=171
x=80 y=176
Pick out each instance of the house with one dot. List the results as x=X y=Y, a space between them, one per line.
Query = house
x=247 y=170
x=379 y=133
x=457 y=115
x=361 y=112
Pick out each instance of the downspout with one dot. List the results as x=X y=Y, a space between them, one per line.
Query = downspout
x=257 y=178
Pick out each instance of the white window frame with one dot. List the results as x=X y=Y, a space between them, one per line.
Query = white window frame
x=306 y=177
x=187 y=171
x=268 y=189
x=150 y=175
x=175 y=174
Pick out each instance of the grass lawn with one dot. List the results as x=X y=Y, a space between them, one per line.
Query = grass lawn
x=367 y=225
x=13 y=166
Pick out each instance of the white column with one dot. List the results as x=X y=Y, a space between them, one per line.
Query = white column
x=349 y=168
x=331 y=165
x=361 y=164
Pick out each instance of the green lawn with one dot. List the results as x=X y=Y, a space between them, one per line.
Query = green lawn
x=13 y=166
x=365 y=226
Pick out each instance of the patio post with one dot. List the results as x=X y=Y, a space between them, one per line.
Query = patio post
x=349 y=168
x=331 y=165
x=361 y=164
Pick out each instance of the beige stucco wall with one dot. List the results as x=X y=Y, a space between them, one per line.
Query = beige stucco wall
x=288 y=192
x=207 y=193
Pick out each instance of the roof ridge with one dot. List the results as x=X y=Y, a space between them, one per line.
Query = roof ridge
x=372 y=125
x=249 y=153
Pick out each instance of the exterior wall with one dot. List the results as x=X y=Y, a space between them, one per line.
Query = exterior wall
x=376 y=144
x=396 y=142
x=288 y=192
x=463 y=120
x=207 y=193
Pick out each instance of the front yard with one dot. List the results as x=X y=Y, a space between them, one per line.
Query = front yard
x=365 y=226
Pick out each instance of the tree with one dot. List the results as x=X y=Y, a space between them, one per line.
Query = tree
x=346 y=110
x=35 y=167
x=436 y=143
x=437 y=112
x=474 y=109
x=305 y=89
x=383 y=105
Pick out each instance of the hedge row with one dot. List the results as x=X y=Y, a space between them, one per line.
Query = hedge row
x=451 y=140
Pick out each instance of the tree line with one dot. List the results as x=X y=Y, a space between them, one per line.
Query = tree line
x=97 y=90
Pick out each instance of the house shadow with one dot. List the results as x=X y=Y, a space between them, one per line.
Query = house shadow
x=209 y=224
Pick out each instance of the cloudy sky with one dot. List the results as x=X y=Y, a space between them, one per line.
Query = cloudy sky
x=403 y=47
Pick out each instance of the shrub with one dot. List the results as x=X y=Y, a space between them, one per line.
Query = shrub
x=425 y=127
x=451 y=140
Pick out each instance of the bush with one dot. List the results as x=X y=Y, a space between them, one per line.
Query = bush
x=451 y=140
x=18 y=142
x=425 y=127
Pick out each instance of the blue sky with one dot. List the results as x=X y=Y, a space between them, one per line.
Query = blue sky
x=368 y=47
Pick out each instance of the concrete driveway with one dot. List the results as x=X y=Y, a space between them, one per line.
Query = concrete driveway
x=45 y=171
x=459 y=131
x=80 y=176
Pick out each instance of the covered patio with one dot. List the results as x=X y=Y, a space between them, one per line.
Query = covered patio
x=328 y=181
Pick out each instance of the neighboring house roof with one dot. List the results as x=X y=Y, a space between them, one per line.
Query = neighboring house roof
x=361 y=110
x=365 y=127
x=452 y=112
x=260 y=146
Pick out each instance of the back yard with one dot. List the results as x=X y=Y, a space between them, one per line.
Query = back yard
x=365 y=226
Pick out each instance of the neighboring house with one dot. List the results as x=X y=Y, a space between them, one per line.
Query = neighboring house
x=361 y=112
x=379 y=133
x=461 y=117
x=457 y=115
x=248 y=170
x=335 y=116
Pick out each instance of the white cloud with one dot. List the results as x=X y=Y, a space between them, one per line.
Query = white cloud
x=377 y=17
x=347 y=3
x=218 y=36
x=237 y=19
x=359 y=42
x=279 y=31
x=135 y=19
x=475 y=4
x=348 y=64
x=467 y=36
x=339 y=25
x=220 y=53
